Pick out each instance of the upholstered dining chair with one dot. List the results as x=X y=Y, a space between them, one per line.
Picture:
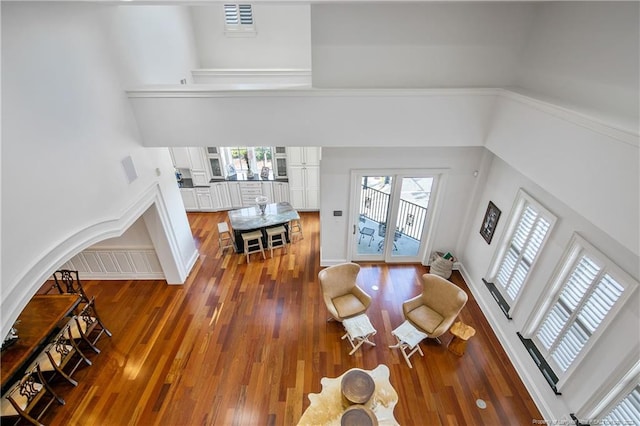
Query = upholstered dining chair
x=29 y=398
x=341 y=294
x=62 y=356
x=88 y=327
x=436 y=308
x=68 y=281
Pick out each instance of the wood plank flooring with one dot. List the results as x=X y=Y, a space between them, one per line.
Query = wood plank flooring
x=244 y=344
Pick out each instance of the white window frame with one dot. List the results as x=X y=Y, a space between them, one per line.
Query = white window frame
x=620 y=391
x=523 y=199
x=238 y=29
x=578 y=246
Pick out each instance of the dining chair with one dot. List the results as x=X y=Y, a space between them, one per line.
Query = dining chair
x=88 y=327
x=68 y=282
x=59 y=354
x=29 y=398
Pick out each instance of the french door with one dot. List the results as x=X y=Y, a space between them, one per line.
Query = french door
x=391 y=215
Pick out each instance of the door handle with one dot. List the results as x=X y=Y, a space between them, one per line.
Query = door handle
x=354 y=230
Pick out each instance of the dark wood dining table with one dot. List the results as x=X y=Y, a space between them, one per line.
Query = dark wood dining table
x=39 y=320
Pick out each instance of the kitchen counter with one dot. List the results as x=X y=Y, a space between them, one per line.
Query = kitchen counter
x=242 y=177
x=188 y=183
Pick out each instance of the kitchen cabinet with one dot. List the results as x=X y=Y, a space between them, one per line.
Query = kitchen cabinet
x=280 y=192
x=267 y=191
x=220 y=196
x=203 y=196
x=189 y=199
x=303 y=155
x=249 y=191
x=194 y=159
x=234 y=194
x=304 y=177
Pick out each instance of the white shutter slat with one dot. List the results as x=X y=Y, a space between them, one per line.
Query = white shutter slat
x=523 y=248
x=627 y=410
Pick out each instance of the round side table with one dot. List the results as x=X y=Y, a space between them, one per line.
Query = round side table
x=461 y=333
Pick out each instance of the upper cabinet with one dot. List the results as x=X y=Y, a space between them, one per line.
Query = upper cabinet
x=301 y=156
x=193 y=159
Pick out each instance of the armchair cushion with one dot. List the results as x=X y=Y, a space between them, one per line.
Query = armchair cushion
x=425 y=318
x=348 y=305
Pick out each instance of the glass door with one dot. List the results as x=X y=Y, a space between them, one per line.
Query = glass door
x=392 y=217
x=411 y=217
x=373 y=210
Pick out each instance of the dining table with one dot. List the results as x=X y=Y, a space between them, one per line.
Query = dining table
x=251 y=219
x=37 y=323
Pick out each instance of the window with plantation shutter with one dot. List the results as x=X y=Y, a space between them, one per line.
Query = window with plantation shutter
x=238 y=18
x=626 y=411
x=527 y=239
x=527 y=231
x=591 y=289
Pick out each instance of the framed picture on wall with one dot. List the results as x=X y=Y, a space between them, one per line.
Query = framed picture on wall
x=489 y=222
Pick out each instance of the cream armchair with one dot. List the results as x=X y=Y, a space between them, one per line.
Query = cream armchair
x=342 y=296
x=435 y=310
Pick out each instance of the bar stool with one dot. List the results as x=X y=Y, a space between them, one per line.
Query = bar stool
x=253 y=243
x=295 y=227
x=225 y=239
x=276 y=237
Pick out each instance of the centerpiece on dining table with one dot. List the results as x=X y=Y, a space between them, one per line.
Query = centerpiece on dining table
x=262 y=203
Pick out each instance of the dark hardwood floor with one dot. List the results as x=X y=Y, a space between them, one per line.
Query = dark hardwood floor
x=242 y=344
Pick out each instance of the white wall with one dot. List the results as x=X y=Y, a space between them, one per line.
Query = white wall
x=64 y=137
x=502 y=185
x=594 y=169
x=190 y=116
x=283 y=38
x=155 y=44
x=136 y=235
x=417 y=44
x=586 y=54
x=337 y=164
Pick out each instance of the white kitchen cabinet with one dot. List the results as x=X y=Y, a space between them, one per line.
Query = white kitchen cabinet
x=234 y=194
x=304 y=177
x=203 y=197
x=267 y=191
x=195 y=160
x=304 y=187
x=180 y=157
x=280 y=192
x=220 y=196
x=189 y=199
x=303 y=156
x=249 y=191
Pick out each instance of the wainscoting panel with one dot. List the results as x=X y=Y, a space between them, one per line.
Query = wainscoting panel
x=117 y=264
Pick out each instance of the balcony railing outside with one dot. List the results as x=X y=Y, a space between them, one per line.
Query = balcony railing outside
x=374 y=205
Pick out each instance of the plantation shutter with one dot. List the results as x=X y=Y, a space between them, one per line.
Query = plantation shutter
x=586 y=298
x=238 y=14
x=522 y=250
x=246 y=15
x=627 y=411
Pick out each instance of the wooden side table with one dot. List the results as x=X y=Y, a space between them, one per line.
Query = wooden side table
x=461 y=333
